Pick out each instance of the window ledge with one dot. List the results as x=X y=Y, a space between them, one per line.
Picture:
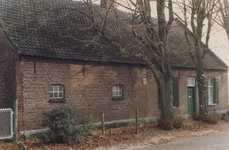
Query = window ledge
x=118 y=98
x=214 y=104
x=174 y=107
x=57 y=100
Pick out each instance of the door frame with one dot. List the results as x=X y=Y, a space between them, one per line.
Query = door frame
x=194 y=97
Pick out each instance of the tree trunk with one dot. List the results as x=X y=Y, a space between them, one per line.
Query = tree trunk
x=202 y=88
x=166 y=96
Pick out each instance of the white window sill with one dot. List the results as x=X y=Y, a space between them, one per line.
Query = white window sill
x=174 y=107
x=214 y=104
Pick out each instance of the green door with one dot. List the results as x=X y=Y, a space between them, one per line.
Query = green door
x=190 y=100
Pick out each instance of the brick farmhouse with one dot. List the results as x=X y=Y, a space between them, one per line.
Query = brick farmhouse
x=47 y=61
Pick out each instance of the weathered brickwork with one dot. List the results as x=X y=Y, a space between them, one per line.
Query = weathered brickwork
x=7 y=72
x=223 y=88
x=89 y=87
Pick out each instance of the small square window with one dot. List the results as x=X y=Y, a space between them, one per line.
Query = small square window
x=117 y=91
x=56 y=91
x=191 y=82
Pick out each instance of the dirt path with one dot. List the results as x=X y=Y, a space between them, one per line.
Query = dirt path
x=162 y=137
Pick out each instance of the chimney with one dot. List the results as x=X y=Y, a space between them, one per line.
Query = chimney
x=107 y=3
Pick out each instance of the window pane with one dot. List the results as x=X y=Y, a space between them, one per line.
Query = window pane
x=51 y=94
x=55 y=94
x=114 y=88
x=51 y=88
x=60 y=94
x=210 y=82
x=120 y=93
x=211 y=91
x=60 y=88
x=56 y=88
x=210 y=94
x=191 y=82
x=211 y=99
x=113 y=93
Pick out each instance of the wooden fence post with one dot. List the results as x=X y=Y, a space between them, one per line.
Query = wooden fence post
x=137 y=131
x=102 y=118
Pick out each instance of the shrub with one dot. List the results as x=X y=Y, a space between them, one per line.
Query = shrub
x=63 y=128
x=177 y=122
x=90 y=123
x=206 y=118
x=165 y=124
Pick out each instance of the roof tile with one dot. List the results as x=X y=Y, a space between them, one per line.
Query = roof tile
x=66 y=33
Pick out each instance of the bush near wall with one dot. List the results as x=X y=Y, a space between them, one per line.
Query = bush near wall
x=63 y=128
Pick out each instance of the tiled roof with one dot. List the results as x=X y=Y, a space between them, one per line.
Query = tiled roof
x=65 y=33
x=180 y=56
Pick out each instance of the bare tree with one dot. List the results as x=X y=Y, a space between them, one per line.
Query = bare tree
x=150 y=35
x=224 y=17
x=153 y=37
x=199 y=14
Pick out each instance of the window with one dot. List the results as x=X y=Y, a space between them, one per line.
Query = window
x=117 y=92
x=191 y=82
x=212 y=91
x=56 y=92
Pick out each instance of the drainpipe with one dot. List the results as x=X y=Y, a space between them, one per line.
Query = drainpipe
x=15 y=107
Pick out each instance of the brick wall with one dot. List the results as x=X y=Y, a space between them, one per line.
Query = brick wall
x=7 y=72
x=223 y=88
x=91 y=91
x=89 y=87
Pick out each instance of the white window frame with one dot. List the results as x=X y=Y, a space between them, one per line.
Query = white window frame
x=56 y=89
x=191 y=82
x=211 y=91
x=117 y=91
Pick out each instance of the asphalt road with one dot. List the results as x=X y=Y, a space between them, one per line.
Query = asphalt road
x=218 y=141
